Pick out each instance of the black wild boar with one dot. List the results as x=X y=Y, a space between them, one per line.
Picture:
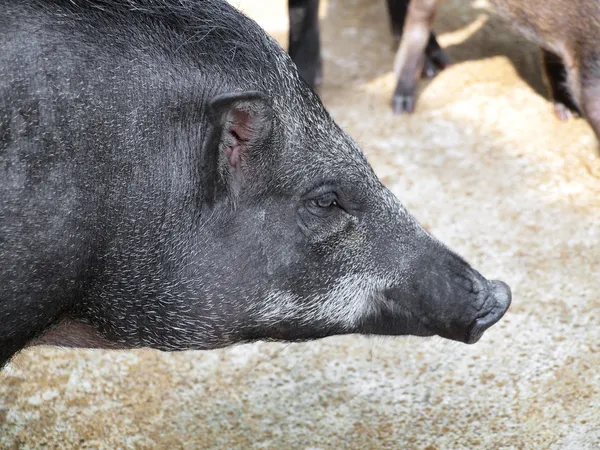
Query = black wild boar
x=169 y=181
x=567 y=31
x=305 y=46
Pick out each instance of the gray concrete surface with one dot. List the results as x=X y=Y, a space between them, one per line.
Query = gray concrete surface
x=486 y=167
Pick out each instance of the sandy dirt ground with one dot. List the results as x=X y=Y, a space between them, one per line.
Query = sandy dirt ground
x=487 y=168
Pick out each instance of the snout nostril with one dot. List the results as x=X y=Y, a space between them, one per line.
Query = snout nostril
x=465 y=276
x=479 y=283
x=471 y=281
x=466 y=283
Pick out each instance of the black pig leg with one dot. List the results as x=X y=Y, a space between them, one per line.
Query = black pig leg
x=305 y=41
x=397 y=10
x=556 y=77
x=410 y=57
x=435 y=58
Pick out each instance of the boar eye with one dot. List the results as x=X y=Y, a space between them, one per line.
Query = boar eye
x=325 y=201
x=321 y=213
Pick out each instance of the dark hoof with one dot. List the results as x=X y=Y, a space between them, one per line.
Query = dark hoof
x=565 y=112
x=430 y=69
x=435 y=62
x=405 y=96
x=403 y=103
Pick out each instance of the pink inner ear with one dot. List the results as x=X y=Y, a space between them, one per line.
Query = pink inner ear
x=239 y=132
x=233 y=152
x=240 y=124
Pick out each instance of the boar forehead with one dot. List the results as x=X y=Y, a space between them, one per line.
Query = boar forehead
x=316 y=150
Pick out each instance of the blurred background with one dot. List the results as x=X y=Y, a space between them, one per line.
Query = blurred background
x=483 y=164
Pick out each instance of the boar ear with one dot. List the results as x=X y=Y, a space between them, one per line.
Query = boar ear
x=243 y=122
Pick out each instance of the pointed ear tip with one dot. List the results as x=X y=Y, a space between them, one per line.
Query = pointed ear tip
x=252 y=102
x=229 y=99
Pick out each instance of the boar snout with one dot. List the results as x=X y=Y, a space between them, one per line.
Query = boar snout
x=461 y=306
x=448 y=298
x=498 y=301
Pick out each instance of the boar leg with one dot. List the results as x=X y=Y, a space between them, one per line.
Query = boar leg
x=305 y=41
x=410 y=57
x=556 y=77
x=435 y=58
x=590 y=92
